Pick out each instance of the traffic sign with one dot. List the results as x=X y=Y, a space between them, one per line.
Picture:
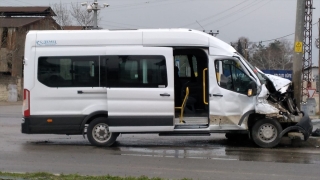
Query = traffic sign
x=311 y=92
x=298 y=47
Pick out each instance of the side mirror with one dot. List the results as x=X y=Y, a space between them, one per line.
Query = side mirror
x=252 y=90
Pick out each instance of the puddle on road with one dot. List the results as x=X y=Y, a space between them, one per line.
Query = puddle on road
x=217 y=154
x=224 y=153
x=192 y=148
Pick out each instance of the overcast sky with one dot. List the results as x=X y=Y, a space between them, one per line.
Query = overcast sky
x=258 y=20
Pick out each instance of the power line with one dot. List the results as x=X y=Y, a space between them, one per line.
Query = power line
x=275 y=38
x=221 y=12
x=281 y=36
x=234 y=13
x=245 y=15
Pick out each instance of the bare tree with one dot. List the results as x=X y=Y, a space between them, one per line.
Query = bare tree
x=243 y=46
x=286 y=55
x=277 y=55
x=81 y=15
x=63 y=17
x=72 y=15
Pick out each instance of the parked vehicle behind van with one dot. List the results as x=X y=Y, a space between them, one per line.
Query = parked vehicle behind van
x=164 y=81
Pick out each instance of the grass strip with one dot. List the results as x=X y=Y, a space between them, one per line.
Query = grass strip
x=49 y=176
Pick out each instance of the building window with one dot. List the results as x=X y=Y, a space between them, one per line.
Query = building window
x=4 y=38
x=136 y=71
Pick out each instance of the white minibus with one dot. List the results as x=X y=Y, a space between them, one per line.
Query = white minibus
x=172 y=82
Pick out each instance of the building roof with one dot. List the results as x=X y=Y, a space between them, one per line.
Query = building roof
x=73 y=27
x=18 y=21
x=26 y=11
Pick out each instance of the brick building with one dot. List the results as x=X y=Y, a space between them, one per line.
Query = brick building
x=15 y=22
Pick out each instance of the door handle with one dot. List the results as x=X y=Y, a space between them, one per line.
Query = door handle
x=218 y=95
x=165 y=94
x=97 y=91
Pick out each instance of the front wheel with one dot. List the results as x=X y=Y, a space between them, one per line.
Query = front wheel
x=98 y=133
x=265 y=133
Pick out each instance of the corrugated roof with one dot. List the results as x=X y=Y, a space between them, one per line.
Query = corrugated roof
x=18 y=21
x=27 y=11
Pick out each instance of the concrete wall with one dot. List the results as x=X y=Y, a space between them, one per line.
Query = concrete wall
x=3 y=60
x=5 y=80
x=11 y=57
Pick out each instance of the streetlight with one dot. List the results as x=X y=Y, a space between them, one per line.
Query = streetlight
x=94 y=7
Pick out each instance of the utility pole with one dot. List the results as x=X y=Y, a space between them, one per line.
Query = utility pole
x=298 y=50
x=318 y=46
x=95 y=14
x=95 y=8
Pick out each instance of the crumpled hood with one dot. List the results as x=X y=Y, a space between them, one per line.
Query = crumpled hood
x=267 y=100
x=278 y=82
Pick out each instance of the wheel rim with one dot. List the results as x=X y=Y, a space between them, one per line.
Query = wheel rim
x=101 y=133
x=267 y=133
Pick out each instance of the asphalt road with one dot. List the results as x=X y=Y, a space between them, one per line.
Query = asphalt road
x=210 y=157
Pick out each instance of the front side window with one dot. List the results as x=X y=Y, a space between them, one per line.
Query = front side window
x=136 y=71
x=69 y=71
x=254 y=69
x=231 y=76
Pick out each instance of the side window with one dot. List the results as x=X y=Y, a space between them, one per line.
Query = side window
x=136 y=71
x=69 y=71
x=231 y=76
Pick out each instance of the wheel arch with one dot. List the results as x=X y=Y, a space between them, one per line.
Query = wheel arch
x=92 y=116
x=252 y=118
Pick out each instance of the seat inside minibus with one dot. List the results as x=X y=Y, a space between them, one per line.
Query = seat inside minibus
x=190 y=65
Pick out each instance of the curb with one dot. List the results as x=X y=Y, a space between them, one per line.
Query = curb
x=6 y=103
x=311 y=142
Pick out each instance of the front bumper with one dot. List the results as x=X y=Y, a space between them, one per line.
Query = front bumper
x=304 y=126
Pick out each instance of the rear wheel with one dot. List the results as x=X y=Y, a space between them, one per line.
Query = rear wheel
x=265 y=133
x=98 y=133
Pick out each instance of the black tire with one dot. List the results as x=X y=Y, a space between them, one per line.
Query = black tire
x=105 y=138
x=265 y=133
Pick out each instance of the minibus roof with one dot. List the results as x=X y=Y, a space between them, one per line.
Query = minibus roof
x=144 y=37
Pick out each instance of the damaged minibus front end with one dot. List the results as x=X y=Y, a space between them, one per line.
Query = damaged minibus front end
x=276 y=101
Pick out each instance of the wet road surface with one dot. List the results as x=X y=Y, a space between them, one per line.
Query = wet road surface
x=210 y=157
